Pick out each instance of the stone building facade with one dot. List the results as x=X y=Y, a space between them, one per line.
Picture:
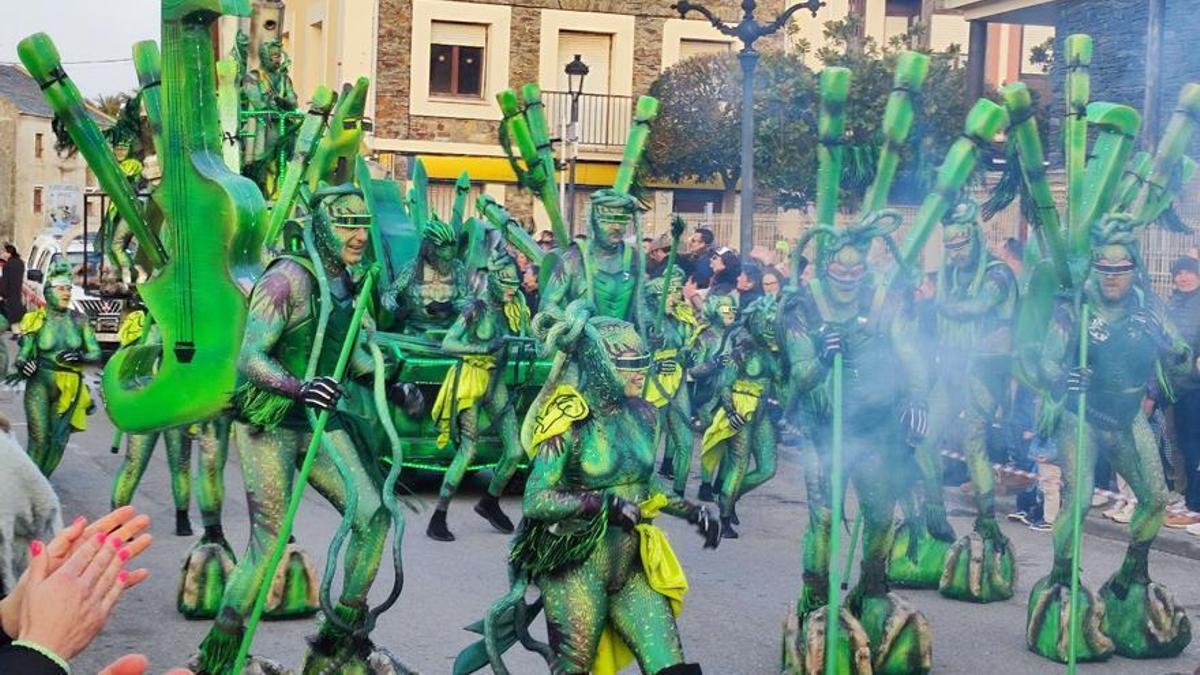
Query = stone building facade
x=35 y=181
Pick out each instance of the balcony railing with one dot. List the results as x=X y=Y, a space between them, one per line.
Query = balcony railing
x=604 y=119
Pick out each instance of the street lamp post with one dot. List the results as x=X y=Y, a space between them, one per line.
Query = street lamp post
x=576 y=71
x=748 y=31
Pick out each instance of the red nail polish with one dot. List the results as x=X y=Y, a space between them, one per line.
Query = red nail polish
x=123 y=554
x=122 y=577
x=35 y=548
x=100 y=537
x=79 y=520
x=115 y=542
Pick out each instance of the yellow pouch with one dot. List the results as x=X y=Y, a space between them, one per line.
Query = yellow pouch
x=70 y=383
x=472 y=385
x=745 y=402
x=661 y=387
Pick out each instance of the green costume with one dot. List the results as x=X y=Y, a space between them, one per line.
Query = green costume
x=975 y=305
x=743 y=427
x=846 y=311
x=427 y=299
x=708 y=358
x=270 y=100
x=1129 y=338
x=213 y=436
x=674 y=338
x=482 y=337
x=292 y=309
x=604 y=270
x=55 y=344
x=609 y=582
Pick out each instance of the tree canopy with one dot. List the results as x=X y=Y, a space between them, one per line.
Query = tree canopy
x=697 y=135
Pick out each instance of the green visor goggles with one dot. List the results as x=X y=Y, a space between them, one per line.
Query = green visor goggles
x=1113 y=267
x=355 y=220
x=640 y=362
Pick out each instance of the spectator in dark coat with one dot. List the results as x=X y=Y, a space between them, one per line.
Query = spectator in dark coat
x=1184 y=311
x=749 y=284
x=698 y=261
x=726 y=267
x=11 y=283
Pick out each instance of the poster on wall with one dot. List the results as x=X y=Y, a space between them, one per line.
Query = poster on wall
x=64 y=207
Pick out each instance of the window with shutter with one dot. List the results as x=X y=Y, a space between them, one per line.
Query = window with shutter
x=689 y=48
x=595 y=50
x=456 y=59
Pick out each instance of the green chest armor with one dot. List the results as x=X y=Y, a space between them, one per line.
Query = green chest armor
x=612 y=292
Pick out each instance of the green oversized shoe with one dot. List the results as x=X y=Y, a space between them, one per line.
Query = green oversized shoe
x=1047 y=627
x=901 y=638
x=979 y=569
x=1143 y=620
x=202 y=579
x=804 y=645
x=917 y=557
x=294 y=589
x=334 y=649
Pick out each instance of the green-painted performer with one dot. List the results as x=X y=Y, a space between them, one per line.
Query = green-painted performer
x=743 y=427
x=298 y=309
x=482 y=337
x=610 y=583
x=846 y=310
x=427 y=299
x=270 y=98
x=708 y=358
x=56 y=342
x=975 y=306
x=604 y=269
x=673 y=339
x=1129 y=338
x=214 y=442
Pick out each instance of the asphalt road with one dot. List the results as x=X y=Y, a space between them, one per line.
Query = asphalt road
x=732 y=618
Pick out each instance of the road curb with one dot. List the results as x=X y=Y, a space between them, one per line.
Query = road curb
x=1169 y=540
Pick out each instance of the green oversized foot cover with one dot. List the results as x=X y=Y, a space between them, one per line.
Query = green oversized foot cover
x=804 y=645
x=917 y=557
x=1047 y=628
x=901 y=638
x=202 y=580
x=979 y=569
x=294 y=589
x=1143 y=620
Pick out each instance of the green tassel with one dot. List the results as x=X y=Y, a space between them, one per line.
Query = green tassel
x=1009 y=187
x=261 y=408
x=219 y=650
x=538 y=551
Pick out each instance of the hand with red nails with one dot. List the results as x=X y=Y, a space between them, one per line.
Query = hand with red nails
x=65 y=597
x=125 y=523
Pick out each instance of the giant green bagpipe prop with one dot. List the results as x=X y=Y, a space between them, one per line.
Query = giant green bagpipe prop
x=210 y=238
x=1106 y=184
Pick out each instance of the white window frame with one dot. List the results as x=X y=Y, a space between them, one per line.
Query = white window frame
x=620 y=27
x=675 y=31
x=498 y=20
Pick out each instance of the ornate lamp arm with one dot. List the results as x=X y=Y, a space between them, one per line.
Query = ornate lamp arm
x=782 y=19
x=684 y=7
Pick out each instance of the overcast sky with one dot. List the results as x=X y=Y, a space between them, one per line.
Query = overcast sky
x=84 y=30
